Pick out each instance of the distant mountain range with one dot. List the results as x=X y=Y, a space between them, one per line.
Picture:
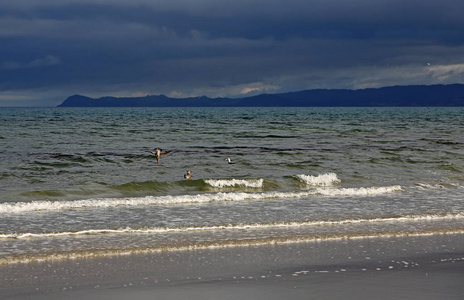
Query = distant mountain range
x=416 y=95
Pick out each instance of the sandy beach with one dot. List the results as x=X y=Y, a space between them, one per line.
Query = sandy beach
x=410 y=267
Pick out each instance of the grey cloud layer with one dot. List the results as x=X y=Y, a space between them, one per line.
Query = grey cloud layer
x=222 y=48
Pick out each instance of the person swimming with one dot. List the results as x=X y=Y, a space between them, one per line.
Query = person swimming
x=187 y=176
x=229 y=161
x=158 y=153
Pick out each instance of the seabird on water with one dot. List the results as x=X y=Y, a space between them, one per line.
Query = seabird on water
x=229 y=161
x=158 y=153
x=187 y=176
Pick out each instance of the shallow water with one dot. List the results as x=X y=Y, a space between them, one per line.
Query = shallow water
x=82 y=180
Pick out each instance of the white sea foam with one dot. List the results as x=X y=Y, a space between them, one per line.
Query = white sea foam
x=427 y=186
x=24 y=207
x=372 y=191
x=253 y=226
x=328 y=179
x=222 y=183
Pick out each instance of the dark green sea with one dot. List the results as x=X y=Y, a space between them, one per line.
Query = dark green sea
x=80 y=182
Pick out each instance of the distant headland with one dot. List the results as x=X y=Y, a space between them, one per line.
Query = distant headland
x=395 y=96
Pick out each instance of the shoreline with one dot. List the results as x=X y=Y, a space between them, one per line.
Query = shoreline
x=410 y=267
x=223 y=244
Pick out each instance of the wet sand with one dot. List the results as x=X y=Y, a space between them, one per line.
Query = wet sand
x=412 y=267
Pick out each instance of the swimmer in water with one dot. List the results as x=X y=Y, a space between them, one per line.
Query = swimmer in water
x=158 y=153
x=229 y=161
x=187 y=176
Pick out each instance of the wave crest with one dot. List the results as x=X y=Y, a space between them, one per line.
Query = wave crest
x=328 y=179
x=224 y=183
x=101 y=203
x=252 y=226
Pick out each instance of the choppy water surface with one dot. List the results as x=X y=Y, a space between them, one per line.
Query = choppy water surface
x=83 y=182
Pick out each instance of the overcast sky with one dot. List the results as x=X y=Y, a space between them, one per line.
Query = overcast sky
x=51 y=49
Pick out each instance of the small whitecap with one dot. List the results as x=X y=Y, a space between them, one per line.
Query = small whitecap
x=227 y=183
x=328 y=179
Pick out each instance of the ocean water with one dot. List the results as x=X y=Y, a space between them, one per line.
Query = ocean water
x=81 y=182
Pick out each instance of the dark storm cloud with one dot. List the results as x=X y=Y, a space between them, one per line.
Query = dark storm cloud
x=277 y=19
x=223 y=48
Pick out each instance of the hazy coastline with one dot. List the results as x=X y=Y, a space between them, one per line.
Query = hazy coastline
x=390 y=96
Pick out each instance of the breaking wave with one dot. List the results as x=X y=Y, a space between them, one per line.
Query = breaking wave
x=255 y=226
x=328 y=179
x=247 y=183
x=24 y=207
